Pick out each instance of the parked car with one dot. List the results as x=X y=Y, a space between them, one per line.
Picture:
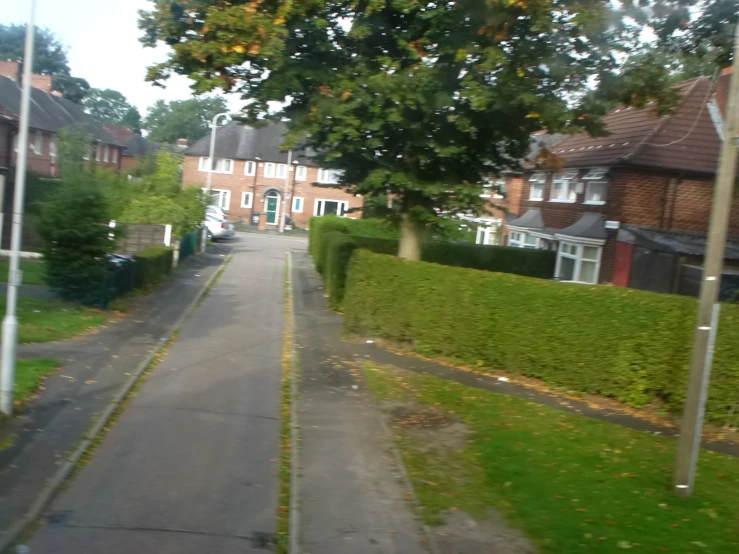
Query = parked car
x=218 y=228
x=216 y=211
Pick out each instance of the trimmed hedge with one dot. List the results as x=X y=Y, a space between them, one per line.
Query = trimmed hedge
x=628 y=344
x=153 y=264
x=319 y=226
x=506 y=259
x=337 y=251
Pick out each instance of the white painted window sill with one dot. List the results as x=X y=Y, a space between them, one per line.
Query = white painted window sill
x=562 y=201
x=594 y=203
x=536 y=200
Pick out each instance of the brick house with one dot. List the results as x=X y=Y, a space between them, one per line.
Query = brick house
x=632 y=208
x=252 y=177
x=50 y=113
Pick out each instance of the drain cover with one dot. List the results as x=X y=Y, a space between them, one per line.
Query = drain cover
x=262 y=541
x=58 y=518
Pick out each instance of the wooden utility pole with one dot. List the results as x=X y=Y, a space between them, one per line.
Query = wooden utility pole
x=708 y=308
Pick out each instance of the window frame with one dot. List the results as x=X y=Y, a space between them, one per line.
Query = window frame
x=253 y=166
x=281 y=171
x=578 y=258
x=302 y=204
x=205 y=165
x=247 y=203
x=538 y=179
x=52 y=147
x=587 y=192
x=570 y=180
x=106 y=153
x=222 y=193
x=516 y=242
x=272 y=167
x=115 y=152
x=99 y=152
x=38 y=143
x=301 y=173
x=323 y=174
x=317 y=202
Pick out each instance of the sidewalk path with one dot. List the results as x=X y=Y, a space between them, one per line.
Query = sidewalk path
x=94 y=369
x=352 y=491
x=190 y=465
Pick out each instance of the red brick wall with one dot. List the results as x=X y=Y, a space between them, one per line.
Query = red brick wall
x=238 y=183
x=128 y=163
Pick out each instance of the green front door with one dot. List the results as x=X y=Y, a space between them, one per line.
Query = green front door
x=273 y=208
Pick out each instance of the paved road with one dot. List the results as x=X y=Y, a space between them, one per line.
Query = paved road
x=190 y=466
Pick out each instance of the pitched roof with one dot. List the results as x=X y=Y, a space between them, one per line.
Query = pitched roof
x=49 y=112
x=679 y=242
x=590 y=226
x=136 y=145
x=686 y=140
x=240 y=142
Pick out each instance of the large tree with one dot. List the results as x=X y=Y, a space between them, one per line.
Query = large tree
x=110 y=107
x=422 y=99
x=49 y=58
x=189 y=119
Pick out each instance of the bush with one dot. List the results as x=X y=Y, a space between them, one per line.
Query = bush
x=319 y=226
x=631 y=345
x=337 y=249
x=73 y=225
x=378 y=245
x=506 y=259
x=376 y=228
x=152 y=265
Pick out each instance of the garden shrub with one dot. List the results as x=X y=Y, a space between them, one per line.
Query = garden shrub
x=378 y=245
x=318 y=226
x=152 y=265
x=375 y=228
x=337 y=250
x=628 y=344
x=506 y=259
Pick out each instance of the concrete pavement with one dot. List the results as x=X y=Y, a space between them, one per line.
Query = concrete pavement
x=190 y=465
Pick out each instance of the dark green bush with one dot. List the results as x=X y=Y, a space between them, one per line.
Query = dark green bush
x=152 y=265
x=627 y=344
x=378 y=245
x=73 y=225
x=337 y=249
x=506 y=259
x=376 y=228
x=319 y=226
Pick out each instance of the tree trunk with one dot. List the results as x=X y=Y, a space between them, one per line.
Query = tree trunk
x=411 y=233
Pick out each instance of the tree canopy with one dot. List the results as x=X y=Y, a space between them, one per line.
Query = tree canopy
x=189 y=119
x=110 y=107
x=421 y=99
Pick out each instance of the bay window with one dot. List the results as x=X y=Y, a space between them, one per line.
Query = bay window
x=579 y=263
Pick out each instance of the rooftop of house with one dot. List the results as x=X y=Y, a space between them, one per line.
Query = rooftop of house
x=136 y=145
x=49 y=112
x=240 y=142
x=686 y=140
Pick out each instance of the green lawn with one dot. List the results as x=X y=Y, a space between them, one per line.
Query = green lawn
x=50 y=320
x=28 y=375
x=572 y=484
x=34 y=271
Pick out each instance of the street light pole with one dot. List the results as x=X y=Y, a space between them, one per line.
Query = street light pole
x=211 y=166
x=287 y=187
x=708 y=308
x=10 y=323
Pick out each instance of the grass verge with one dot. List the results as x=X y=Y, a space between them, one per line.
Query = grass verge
x=50 y=320
x=572 y=484
x=34 y=271
x=282 y=539
x=28 y=376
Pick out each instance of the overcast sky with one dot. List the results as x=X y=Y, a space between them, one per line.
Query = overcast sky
x=102 y=38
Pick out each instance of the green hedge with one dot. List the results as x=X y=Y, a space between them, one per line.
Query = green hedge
x=337 y=250
x=317 y=227
x=506 y=259
x=627 y=344
x=152 y=265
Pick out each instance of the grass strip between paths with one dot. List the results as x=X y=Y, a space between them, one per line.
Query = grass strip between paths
x=34 y=271
x=28 y=376
x=572 y=484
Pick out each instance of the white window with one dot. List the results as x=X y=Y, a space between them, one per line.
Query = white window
x=246 y=199
x=115 y=155
x=99 y=152
x=38 y=142
x=269 y=170
x=301 y=173
x=52 y=147
x=537 y=182
x=223 y=165
x=281 y=171
x=516 y=239
x=250 y=168
x=595 y=192
x=298 y=204
x=329 y=176
x=220 y=198
x=326 y=207
x=564 y=187
x=106 y=153
x=578 y=262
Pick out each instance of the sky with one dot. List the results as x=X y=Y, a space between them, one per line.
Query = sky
x=102 y=38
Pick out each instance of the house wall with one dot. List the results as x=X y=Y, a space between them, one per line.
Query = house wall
x=239 y=183
x=129 y=162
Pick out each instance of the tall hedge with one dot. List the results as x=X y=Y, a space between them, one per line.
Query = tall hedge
x=317 y=227
x=153 y=264
x=337 y=250
x=627 y=344
x=521 y=261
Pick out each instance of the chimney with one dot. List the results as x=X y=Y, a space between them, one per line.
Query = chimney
x=9 y=69
x=722 y=90
x=42 y=82
x=182 y=143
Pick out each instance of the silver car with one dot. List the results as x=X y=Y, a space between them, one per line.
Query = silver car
x=218 y=228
